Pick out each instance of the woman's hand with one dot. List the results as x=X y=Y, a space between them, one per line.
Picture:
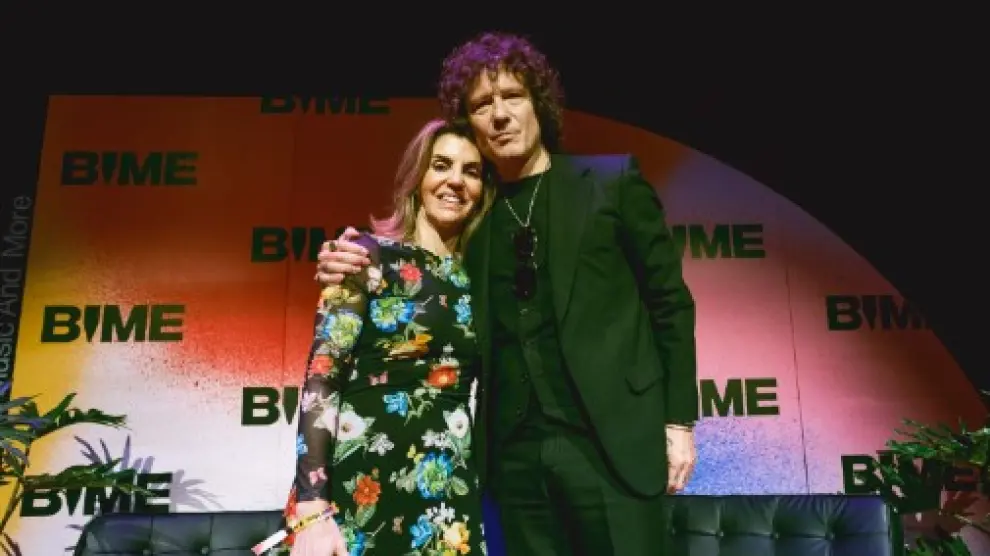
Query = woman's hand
x=322 y=538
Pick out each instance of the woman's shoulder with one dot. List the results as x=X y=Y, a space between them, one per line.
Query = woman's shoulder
x=384 y=248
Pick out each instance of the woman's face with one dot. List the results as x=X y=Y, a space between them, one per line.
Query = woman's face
x=452 y=184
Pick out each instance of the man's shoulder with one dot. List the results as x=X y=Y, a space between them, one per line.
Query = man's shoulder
x=602 y=165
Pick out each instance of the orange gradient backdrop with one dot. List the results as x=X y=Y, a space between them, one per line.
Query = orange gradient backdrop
x=248 y=324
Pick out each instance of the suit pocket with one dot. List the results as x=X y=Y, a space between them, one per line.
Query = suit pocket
x=642 y=377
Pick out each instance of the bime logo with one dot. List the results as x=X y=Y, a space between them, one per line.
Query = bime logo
x=142 y=323
x=874 y=312
x=749 y=397
x=924 y=482
x=162 y=168
x=724 y=241
x=265 y=405
x=272 y=244
x=46 y=503
x=324 y=104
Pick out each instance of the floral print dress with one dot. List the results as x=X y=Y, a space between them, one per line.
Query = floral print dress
x=386 y=421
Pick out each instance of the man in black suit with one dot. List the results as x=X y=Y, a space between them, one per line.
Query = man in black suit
x=589 y=389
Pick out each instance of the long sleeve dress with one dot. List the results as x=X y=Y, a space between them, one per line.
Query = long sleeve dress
x=385 y=422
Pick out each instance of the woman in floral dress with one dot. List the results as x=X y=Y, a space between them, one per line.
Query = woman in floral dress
x=385 y=426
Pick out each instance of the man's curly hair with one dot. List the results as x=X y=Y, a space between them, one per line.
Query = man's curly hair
x=516 y=55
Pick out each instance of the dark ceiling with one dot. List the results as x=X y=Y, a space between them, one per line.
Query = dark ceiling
x=868 y=122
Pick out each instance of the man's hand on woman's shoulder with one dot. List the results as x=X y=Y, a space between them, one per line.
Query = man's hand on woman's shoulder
x=340 y=257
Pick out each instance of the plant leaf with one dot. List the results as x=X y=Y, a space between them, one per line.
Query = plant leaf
x=87 y=476
x=12 y=455
x=10 y=546
x=18 y=419
x=22 y=436
x=30 y=409
x=61 y=408
x=76 y=416
x=16 y=402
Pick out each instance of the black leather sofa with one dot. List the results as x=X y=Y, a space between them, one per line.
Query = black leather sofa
x=793 y=525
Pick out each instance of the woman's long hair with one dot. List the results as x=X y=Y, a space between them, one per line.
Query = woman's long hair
x=400 y=225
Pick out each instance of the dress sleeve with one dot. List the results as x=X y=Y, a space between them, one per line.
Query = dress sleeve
x=340 y=316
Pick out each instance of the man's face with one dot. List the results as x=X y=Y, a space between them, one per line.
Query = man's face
x=503 y=117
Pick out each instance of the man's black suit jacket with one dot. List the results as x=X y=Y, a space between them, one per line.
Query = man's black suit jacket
x=625 y=318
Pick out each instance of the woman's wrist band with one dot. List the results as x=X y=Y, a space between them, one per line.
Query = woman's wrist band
x=292 y=527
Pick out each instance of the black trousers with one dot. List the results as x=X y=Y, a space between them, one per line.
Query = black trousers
x=556 y=497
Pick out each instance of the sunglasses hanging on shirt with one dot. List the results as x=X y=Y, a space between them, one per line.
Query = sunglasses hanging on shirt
x=525 y=241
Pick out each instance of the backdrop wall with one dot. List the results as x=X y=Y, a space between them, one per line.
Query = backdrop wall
x=170 y=271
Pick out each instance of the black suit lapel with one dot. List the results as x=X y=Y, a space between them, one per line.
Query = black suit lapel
x=476 y=263
x=478 y=255
x=570 y=195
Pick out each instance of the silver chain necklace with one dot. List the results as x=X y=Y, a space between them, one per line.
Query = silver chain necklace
x=532 y=201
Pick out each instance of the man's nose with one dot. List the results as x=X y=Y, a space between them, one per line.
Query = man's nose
x=500 y=114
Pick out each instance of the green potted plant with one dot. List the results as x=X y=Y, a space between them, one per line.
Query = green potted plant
x=912 y=475
x=21 y=425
